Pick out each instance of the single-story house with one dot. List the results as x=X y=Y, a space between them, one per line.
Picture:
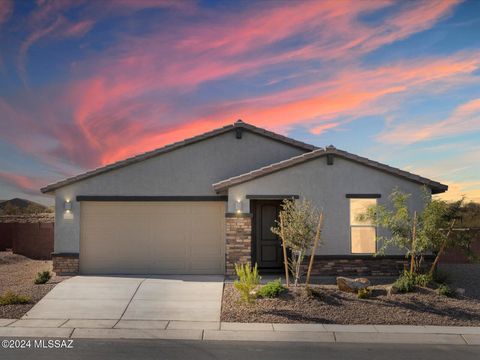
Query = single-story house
x=201 y=205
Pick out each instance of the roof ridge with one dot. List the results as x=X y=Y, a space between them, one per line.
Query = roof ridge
x=175 y=145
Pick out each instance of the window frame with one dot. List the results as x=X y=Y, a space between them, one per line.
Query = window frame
x=350 y=226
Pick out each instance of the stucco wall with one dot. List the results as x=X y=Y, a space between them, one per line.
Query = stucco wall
x=190 y=170
x=326 y=186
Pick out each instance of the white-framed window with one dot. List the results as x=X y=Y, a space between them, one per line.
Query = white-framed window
x=363 y=234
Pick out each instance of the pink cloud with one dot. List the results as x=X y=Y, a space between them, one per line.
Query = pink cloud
x=25 y=184
x=6 y=9
x=465 y=118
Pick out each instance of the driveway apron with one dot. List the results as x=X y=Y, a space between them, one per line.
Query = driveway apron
x=182 y=297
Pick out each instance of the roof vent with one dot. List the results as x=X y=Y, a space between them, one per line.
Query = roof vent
x=331 y=147
x=239 y=122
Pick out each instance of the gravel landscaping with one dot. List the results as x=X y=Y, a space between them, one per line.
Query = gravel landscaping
x=17 y=274
x=330 y=306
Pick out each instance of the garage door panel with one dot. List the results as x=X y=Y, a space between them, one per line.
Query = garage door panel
x=152 y=238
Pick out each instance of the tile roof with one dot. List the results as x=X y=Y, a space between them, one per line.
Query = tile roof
x=177 y=145
x=434 y=185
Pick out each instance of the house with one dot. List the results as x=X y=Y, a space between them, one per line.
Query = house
x=201 y=205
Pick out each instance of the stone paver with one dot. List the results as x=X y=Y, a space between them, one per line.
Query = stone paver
x=401 y=338
x=141 y=324
x=5 y=322
x=299 y=327
x=245 y=326
x=137 y=334
x=247 y=335
x=38 y=323
x=92 y=324
x=472 y=339
x=35 y=332
x=210 y=325
x=350 y=328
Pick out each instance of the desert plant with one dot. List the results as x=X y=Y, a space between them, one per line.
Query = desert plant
x=42 y=277
x=445 y=290
x=406 y=282
x=248 y=280
x=297 y=227
x=272 y=289
x=10 y=298
x=364 y=293
x=423 y=279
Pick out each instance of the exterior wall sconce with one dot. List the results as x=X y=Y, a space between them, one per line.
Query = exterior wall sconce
x=67 y=206
x=238 y=206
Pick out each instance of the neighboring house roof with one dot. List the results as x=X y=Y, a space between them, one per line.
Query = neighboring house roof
x=147 y=155
x=224 y=184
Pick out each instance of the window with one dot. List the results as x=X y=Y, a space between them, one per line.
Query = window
x=363 y=234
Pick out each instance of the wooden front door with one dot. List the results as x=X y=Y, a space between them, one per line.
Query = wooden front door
x=267 y=250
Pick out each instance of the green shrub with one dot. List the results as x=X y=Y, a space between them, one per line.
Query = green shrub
x=43 y=277
x=445 y=290
x=248 y=280
x=405 y=283
x=271 y=289
x=364 y=293
x=10 y=298
x=423 y=279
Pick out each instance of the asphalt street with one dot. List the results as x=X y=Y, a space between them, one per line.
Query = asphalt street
x=199 y=350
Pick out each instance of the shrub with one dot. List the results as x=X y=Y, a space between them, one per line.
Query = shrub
x=405 y=283
x=364 y=293
x=43 y=277
x=10 y=298
x=271 y=289
x=445 y=290
x=423 y=279
x=248 y=279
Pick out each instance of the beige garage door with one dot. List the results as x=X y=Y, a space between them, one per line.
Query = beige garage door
x=152 y=238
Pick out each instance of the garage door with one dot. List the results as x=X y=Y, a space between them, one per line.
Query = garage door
x=152 y=238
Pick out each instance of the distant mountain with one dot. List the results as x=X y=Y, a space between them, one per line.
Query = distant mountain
x=19 y=206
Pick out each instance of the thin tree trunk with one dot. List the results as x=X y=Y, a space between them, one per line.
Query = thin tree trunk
x=414 y=240
x=441 y=250
x=315 y=243
x=285 y=258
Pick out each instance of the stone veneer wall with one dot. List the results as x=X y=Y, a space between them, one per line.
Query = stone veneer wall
x=359 y=266
x=238 y=242
x=65 y=264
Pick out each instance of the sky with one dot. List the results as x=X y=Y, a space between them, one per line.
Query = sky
x=87 y=83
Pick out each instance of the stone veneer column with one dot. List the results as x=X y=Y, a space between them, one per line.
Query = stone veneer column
x=238 y=242
x=65 y=264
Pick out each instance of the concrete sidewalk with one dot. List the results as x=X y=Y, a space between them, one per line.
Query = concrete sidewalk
x=214 y=330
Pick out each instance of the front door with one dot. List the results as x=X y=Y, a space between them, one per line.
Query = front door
x=267 y=249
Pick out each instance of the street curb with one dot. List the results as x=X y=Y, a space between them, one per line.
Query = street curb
x=327 y=333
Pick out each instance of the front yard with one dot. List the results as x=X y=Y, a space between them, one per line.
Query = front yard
x=17 y=274
x=328 y=305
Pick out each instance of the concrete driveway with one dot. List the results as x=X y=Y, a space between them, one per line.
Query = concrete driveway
x=183 y=298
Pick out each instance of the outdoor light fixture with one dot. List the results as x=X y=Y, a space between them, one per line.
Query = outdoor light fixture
x=67 y=206
x=238 y=206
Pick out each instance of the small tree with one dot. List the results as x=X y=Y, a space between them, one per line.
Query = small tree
x=297 y=228
x=432 y=230
x=400 y=222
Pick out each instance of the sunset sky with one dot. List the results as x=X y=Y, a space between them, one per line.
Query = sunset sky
x=87 y=83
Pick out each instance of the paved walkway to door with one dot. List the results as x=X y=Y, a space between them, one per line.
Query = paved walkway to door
x=116 y=298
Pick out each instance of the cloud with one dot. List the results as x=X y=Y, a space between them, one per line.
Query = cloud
x=26 y=184
x=464 y=119
x=6 y=9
